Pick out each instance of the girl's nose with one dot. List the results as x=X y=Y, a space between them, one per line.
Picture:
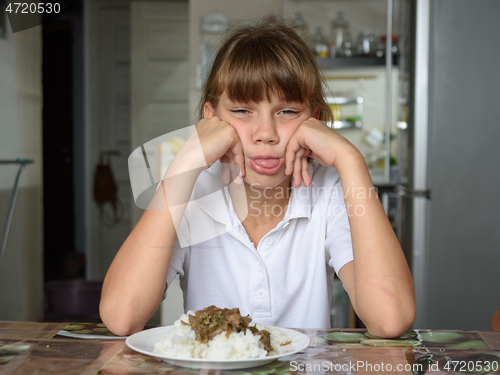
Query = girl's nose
x=265 y=131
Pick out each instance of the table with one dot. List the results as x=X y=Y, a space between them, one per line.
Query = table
x=38 y=348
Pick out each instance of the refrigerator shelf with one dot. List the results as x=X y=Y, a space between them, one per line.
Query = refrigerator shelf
x=345 y=124
x=353 y=61
x=342 y=100
x=335 y=101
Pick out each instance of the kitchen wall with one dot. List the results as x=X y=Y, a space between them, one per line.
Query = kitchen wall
x=21 y=275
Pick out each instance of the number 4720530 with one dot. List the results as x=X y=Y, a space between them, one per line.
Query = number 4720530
x=31 y=8
x=471 y=366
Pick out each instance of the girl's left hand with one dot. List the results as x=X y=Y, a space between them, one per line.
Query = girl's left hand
x=313 y=138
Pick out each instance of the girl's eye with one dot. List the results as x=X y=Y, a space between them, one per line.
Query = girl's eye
x=240 y=111
x=289 y=112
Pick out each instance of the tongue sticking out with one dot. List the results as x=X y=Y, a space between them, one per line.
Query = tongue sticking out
x=267 y=163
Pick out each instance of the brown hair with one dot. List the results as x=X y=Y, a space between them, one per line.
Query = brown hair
x=268 y=56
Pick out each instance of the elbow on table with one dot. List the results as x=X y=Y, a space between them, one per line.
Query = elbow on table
x=389 y=331
x=121 y=324
x=394 y=326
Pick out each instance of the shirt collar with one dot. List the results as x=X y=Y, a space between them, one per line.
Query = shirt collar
x=300 y=204
x=209 y=194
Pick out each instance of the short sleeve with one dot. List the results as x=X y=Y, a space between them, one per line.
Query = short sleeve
x=338 y=240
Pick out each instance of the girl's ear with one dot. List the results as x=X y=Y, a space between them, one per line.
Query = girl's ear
x=317 y=113
x=208 y=110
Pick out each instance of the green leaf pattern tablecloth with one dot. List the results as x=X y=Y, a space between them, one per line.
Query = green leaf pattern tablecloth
x=37 y=348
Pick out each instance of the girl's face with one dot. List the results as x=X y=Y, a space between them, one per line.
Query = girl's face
x=264 y=129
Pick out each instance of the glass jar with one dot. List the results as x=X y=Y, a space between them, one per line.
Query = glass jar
x=336 y=112
x=366 y=43
x=338 y=29
x=347 y=46
x=321 y=48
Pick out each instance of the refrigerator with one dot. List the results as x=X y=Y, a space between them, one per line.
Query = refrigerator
x=448 y=192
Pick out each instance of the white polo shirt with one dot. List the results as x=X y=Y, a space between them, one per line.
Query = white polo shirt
x=287 y=279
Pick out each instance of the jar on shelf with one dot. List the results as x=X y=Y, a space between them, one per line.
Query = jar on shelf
x=213 y=26
x=336 y=112
x=321 y=48
x=366 y=43
x=338 y=29
x=395 y=40
x=347 y=48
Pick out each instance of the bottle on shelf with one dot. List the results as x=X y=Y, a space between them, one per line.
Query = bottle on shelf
x=338 y=29
x=321 y=48
x=336 y=112
x=366 y=43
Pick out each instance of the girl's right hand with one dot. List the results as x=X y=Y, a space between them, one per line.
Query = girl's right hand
x=220 y=141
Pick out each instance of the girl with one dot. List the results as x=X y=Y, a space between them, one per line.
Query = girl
x=296 y=222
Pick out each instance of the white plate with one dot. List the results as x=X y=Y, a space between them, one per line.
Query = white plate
x=144 y=342
x=90 y=337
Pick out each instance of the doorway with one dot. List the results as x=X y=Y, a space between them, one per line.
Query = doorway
x=60 y=258
x=63 y=155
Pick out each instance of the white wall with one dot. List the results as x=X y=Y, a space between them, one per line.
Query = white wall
x=9 y=137
x=21 y=272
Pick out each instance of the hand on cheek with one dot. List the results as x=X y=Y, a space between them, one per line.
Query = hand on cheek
x=313 y=138
x=296 y=155
x=301 y=168
x=220 y=141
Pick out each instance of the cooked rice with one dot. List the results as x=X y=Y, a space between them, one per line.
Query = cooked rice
x=180 y=342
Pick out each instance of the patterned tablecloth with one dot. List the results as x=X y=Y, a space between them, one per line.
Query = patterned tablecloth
x=39 y=348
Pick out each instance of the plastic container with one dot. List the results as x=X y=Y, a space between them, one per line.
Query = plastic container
x=74 y=297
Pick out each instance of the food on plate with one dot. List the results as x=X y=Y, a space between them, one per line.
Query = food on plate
x=214 y=333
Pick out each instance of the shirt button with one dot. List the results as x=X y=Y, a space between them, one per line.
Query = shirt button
x=269 y=241
x=261 y=294
x=286 y=225
x=259 y=268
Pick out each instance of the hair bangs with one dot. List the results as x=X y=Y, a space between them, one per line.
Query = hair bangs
x=258 y=62
x=255 y=71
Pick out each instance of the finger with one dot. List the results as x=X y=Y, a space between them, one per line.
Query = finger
x=224 y=170
x=236 y=172
x=230 y=162
x=239 y=156
x=234 y=169
x=290 y=155
x=297 y=168
x=239 y=159
x=306 y=177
